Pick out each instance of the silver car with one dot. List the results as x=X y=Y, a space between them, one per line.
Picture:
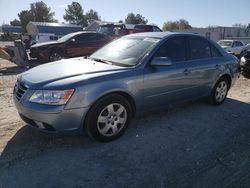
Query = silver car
x=129 y=76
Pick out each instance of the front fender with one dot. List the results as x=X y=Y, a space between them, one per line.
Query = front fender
x=85 y=96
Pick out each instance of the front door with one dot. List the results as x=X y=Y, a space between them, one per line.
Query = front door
x=85 y=44
x=165 y=85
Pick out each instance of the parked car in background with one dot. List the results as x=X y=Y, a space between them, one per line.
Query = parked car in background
x=146 y=28
x=71 y=45
x=119 y=29
x=129 y=76
x=116 y=30
x=234 y=47
x=245 y=64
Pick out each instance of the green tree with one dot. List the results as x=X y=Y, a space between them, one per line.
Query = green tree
x=135 y=19
x=91 y=15
x=38 y=12
x=176 y=25
x=183 y=24
x=15 y=22
x=74 y=14
x=41 y=12
x=170 y=26
x=25 y=17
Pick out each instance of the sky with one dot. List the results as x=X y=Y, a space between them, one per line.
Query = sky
x=199 y=13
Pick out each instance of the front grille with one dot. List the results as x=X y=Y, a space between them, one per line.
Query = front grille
x=19 y=90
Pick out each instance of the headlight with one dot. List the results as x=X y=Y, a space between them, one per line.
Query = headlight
x=243 y=61
x=51 y=97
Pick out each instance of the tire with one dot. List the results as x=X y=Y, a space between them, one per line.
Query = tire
x=108 y=118
x=219 y=92
x=246 y=74
x=55 y=56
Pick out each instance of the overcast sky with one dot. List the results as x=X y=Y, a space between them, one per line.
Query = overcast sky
x=199 y=13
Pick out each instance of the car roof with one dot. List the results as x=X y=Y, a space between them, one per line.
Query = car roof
x=162 y=35
x=81 y=32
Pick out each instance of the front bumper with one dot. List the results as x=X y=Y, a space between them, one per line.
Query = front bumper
x=61 y=121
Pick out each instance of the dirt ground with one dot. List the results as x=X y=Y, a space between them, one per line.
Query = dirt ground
x=194 y=145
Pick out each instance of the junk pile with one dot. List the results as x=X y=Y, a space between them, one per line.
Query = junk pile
x=16 y=54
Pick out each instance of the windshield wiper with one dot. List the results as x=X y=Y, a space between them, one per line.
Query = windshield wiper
x=100 y=60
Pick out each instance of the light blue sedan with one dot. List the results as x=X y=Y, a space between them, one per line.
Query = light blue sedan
x=129 y=76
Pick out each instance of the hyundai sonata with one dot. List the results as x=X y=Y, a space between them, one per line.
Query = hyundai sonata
x=129 y=76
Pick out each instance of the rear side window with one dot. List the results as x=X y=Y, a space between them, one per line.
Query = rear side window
x=214 y=51
x=174 y=49
x=238 y=43
x=199 y=48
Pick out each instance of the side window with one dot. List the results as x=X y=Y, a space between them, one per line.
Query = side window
x=199 y=48
x=81 y=38
x=215 y=52
x=88 y=37
x=174 y=49
x=238 y=43
x=94 y=37
x=53 y=38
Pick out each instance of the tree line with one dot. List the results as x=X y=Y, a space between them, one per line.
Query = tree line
x=74 y=14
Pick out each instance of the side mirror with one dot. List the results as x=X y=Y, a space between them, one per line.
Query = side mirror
x=161 y=61
x=72 y=40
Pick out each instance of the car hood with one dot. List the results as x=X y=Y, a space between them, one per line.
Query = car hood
x=64 y=69
x=44 y=44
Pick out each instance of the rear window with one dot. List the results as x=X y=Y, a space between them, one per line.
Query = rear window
x=144 y=27
x=157 y=29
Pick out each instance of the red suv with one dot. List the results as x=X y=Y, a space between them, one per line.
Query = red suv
x=146 y=28
x=71 y=45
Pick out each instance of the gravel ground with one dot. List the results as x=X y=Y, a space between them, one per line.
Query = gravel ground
x=194 y=145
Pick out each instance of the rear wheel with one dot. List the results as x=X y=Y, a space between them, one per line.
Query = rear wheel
x=220 y=90
x=108 y=118
x=55 y=56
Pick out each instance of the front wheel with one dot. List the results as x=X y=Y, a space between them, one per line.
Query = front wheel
x=55 y=56
x=219 y=92
x=108 y=118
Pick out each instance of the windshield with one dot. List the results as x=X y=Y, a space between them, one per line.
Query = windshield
x=66 y=37
x=125 y=51
x=105 y=30
x=225 y=43
x=110 y=30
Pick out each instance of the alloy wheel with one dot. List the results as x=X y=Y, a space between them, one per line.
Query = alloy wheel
x=55 y=56
x=112 y=119
x=221 y=91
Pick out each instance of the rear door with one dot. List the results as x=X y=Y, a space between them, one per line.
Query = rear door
x=203 y=66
